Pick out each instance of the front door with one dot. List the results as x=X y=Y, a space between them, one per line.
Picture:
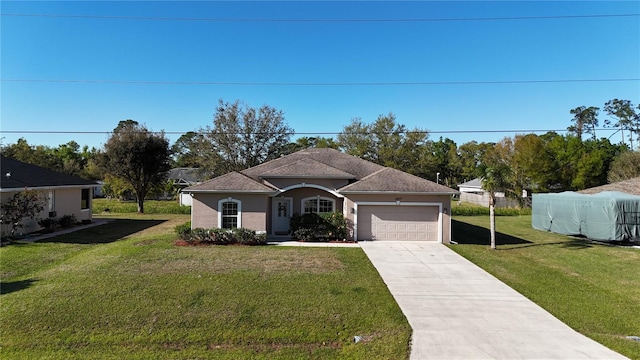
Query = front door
x=281 y=213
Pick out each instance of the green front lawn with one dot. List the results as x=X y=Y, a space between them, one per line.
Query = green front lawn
x=123 y=290
x=102 y=206
x=593 y=288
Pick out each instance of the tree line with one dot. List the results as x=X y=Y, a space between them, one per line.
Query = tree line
x=137 y=159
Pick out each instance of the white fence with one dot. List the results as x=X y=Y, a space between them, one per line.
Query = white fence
x=483 y=200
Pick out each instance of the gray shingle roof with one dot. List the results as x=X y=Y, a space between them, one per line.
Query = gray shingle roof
x=392 y=180
x=307 y=168
x=19 y=175
x=231 y=182
x=323 y=163
x=475 y=183
x=334 y=158
x=187 y=175
x=629 y=186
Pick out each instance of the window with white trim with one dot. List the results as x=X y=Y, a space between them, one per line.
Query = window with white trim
x=318 y=204
x=229 y=213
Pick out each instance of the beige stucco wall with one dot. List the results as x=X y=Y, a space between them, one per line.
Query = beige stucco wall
x=444 y=199
x=204 y=211
x=256 y=208
x=66 y=201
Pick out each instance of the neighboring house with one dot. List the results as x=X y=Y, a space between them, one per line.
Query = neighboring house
x=184 y=177
x=379 y=203
x=65 y=194
x=629 y=186
x=471 y=187
x=97 y=189
x=472 y=192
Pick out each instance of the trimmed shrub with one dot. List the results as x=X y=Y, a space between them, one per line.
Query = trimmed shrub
x=304 y=234
x=48 y=224
x=248 y=237
x=200 y=235
x=184 y=231
x=219 y=236
x=261 y=239
x=318 y=227
x=336 y=225
x=309 y=221
x=243 y=236
x=67 y=221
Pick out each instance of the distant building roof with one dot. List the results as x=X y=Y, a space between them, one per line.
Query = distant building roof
x=18 y=175
x=471 y=187
x=475 y=183
x=187 y=176
x=629 y=186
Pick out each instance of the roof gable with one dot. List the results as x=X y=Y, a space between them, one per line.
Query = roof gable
x=308 y=168
x=350 y=164
x=187 y=175
x=19 y=175
x=475 y=183
x=396 y=181
x=230 y=182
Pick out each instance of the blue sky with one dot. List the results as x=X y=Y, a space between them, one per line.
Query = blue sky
x=129 y=49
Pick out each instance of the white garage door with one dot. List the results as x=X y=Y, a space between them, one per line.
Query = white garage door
x=391 y=222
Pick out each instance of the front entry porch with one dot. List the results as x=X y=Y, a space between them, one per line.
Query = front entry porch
x=281 y=213
x=298 y=200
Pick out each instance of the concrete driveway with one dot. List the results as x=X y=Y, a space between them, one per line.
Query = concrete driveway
x=459 y=311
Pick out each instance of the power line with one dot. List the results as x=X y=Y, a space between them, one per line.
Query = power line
x=310 y=20
x=518 y=131
x=254 y=83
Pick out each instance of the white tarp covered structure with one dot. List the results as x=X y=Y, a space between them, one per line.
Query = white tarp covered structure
x=607 y=215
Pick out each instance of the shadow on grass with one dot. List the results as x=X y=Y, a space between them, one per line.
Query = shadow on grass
x=11 y=286
x=576 y=243
x=109 y=232
x=464 y=233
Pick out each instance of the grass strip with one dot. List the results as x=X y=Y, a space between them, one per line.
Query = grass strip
x=139 y=296
x=594 y=288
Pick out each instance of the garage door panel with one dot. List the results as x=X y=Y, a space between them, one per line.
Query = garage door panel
x=388 y=222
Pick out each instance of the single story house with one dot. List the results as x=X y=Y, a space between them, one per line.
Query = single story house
x=183 y=177
x=97 y=189
x=65 y=194
x=472 y=186
x=472 y=192
x=379 y=203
